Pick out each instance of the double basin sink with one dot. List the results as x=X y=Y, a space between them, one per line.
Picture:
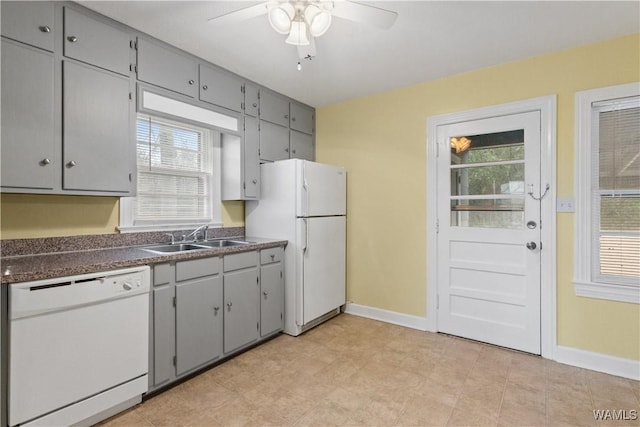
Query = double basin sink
x=174 y=248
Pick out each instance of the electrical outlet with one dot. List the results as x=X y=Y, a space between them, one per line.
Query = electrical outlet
x=565 y=204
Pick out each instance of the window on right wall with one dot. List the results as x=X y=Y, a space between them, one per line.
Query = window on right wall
x=607 y=187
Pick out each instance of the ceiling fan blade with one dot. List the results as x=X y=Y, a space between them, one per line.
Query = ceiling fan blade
x=364 y=13
x=308 y=51
x=240 y=15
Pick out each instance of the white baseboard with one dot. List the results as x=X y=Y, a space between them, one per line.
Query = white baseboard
x=613 y=365
x=407 y=320
x=599 y=362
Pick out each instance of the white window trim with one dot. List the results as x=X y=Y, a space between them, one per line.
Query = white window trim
x=127 y=203
x=583 y=247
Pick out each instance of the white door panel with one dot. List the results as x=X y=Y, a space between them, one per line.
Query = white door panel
x=323 y=268
x=323 y=190
x=488 y=280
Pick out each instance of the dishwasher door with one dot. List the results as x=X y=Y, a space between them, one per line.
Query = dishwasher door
x=74 y=338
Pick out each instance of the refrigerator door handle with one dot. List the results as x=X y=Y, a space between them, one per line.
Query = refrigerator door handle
x=306 y=236
x=305 y=187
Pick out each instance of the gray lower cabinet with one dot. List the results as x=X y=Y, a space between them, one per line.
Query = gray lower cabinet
x=27 y=149
x=271 y=291
x=29 y=22
x=95 y=42
x=98 y=154
x=274 y=142
x=220 y=88
x=301 y=145
x=198 y=323
x=167 y=68
x=207 y=309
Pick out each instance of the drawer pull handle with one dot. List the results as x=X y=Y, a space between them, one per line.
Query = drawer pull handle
x=215 y=310
x=72 y=39
x=45 y=29
x=229 y=305
x=273 y=256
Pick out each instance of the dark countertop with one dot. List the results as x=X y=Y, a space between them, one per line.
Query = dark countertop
x=25 y=268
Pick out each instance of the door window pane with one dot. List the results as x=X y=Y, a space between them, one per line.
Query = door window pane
x=488 y=213
x=491 y=147
x=479 y=180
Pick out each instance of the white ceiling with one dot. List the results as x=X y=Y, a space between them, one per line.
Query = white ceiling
x=430 y=40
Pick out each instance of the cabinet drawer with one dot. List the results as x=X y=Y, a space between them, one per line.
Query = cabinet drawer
x=241 y=260
x=96 y=43
x=164 y=67
x=161 y=274
x=301 y=118
x=191 y=269
x=29 y=22
x=268 y=256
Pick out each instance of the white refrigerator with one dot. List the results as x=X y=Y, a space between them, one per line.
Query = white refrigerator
x=305 y=203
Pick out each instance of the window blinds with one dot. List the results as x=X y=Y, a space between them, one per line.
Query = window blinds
x=616 y=192
x=175 y=165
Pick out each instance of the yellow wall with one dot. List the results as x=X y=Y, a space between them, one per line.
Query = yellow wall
x=25 y=215
x=381 y=140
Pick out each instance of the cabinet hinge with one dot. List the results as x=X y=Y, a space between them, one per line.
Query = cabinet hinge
x=130 y=177
x=258 y=326
x=280 y=316
x=175 y=361
x=437 y=226
x=257 y=279
x=130 y=96
x=174 y=301
x=130 y=44
x=244 y=185
x=281 y=274
x=242 y=105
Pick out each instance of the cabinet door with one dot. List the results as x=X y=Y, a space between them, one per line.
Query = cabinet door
x=302 y=118
x=198 y=323
x=94 y=42
x=301 y=146
x=251 y=160
x=271 y=298
x=220 y=88
x=240 y=308
x=98 y=149
x=163 y=335
x=251 y=100
x=274 y=108
x=29 y=22
x=167 y=68
x=274 y=142
x=27 y=118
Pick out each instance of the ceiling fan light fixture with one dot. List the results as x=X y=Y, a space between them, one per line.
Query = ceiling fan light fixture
x=318 y=20
x=298 y=34
x=281 y=16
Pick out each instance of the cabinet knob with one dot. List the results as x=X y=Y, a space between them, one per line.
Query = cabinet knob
x=205 y=87
x=45 y=28
x=286 y=150
x=265 y=293
x=255 y=105
x=255 y=181
x=293 y=119
x=45 y=162
x=72 y=39
x=286 y=116
x=293 y=151
x=191 y=82
x=215 y=310
x=71 y=164
x=229 y=305
x=273 y=256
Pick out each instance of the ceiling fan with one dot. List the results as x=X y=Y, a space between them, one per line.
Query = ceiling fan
x=304 y=20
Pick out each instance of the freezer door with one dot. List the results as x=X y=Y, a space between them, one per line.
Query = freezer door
x=323 y=265
x=323 y=189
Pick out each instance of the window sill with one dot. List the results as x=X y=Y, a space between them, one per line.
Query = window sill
x=608 y=291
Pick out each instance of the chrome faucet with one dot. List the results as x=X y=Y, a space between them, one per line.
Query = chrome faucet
x=173 y=239
x=194 y=233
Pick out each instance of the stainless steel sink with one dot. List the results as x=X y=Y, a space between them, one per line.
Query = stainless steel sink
x=177 y=247
x=222 y=243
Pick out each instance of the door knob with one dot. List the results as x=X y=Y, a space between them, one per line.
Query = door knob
x=531 y=246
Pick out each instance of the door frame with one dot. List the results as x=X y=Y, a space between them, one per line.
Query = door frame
x=546 y=105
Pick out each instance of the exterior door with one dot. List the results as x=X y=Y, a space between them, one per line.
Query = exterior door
x=489 y=230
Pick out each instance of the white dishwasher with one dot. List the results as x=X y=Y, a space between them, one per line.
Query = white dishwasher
x=78 y=347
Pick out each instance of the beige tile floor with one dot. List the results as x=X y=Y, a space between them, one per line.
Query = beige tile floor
x=353 y=371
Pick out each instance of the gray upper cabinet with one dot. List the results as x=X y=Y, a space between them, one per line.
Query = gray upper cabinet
x=251 y=100
x=251 y=161
x=27 y=149
x=302 y=118
x=96 y=43
x=29 y=22
x=198 y=323
x=274 y=108
x=274 y=142
x=98 y=151
x=165 y=67
x=301 y=146
x=220 y=88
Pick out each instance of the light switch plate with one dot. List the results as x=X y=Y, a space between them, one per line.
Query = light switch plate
x=565 y=204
